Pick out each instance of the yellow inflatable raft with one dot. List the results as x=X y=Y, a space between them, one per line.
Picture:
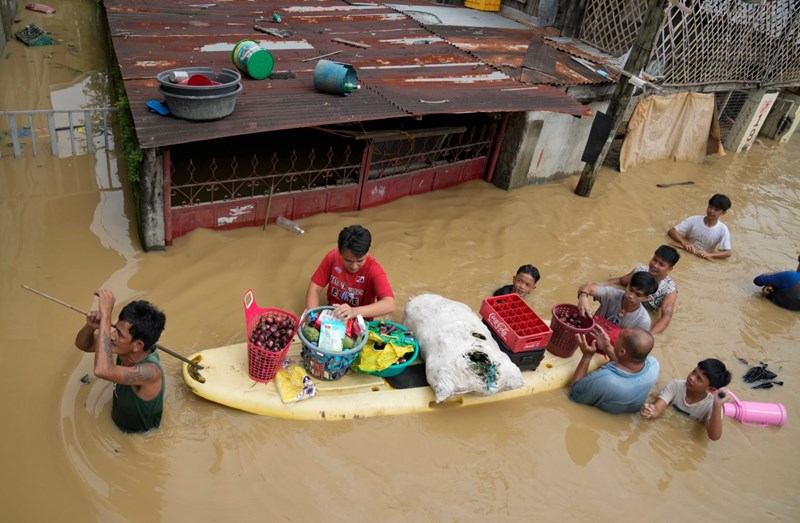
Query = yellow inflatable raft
x=224 y=380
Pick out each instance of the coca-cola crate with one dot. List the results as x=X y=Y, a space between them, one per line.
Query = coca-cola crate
x=515 y=323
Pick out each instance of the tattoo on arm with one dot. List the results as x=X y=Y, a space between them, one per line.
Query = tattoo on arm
x=138 y=374
x=107 y=344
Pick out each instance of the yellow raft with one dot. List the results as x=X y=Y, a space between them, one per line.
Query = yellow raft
x=224 y=380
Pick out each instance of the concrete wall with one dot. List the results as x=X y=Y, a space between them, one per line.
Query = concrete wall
x=8 y=9
x=540 y=146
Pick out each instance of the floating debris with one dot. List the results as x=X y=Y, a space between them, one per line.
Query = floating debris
x=41 y=8
x=767 y=384
x=761 y=377
x=32 y=35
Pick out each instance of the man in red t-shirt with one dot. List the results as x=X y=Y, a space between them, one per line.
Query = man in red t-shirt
x=356 y=282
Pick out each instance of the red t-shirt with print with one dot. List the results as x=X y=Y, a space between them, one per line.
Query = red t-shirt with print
x=364 y=287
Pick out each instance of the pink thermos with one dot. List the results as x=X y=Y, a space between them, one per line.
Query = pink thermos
x=754 y=412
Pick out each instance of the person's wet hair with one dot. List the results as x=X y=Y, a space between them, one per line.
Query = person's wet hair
x=530 y=270
x=668 y=254
x=716 y=372
x=356 y=239
x=720 y=201
x=146 y=321
x=645 y=282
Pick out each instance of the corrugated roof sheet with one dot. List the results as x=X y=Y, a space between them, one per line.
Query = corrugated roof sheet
x=409 y=69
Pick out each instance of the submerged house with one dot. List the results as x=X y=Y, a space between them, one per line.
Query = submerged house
x=431 y=110
x=447 y=95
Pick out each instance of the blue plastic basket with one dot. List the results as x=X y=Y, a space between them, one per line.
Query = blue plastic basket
x=323 y=364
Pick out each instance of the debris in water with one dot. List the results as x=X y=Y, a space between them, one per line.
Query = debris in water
x=85 y=378
x=41 y=8
x=760 y=377
x=32 y=35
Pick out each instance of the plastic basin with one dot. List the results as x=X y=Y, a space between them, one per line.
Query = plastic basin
x=201 y=107
x=229 y=81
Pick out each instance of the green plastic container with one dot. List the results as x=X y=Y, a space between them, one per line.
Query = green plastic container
x=252 y=59
x=397 y=368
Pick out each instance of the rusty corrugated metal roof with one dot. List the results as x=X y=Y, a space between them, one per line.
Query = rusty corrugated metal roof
x=408 y=70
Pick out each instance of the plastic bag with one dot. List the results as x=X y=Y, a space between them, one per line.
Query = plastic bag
x=459 y=352
x=294 y=384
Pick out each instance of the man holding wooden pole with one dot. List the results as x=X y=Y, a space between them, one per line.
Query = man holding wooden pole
x=137 y=374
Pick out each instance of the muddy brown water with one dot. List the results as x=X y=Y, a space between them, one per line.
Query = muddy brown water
x=66 y=229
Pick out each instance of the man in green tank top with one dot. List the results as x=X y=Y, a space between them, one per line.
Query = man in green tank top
x=137 y=374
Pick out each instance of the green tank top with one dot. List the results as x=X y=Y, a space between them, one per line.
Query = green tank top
x=133 y=414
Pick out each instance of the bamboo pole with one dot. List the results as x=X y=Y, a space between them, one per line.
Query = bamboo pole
x=67 y=305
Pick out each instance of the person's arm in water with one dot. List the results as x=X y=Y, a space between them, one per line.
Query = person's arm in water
x=653 y=410
x=667 y=309
x=687 y=245
x=84 y=340
x=716 y=255
x=677 y=237
x=714 y=423
x=700 y=253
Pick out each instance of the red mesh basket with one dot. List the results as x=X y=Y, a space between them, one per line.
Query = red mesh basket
x=562 y=342
x=263 y=363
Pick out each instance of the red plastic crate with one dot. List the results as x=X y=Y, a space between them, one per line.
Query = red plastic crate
x=515 y=323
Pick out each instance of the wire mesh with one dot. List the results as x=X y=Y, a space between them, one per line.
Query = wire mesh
x=703 y=42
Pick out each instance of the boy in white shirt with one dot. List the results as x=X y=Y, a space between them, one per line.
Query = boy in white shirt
x=701 y=235
x=693 y=396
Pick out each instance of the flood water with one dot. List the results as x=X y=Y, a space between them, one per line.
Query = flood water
x=66 y=228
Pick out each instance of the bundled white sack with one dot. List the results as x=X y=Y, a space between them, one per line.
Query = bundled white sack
x=459 y=352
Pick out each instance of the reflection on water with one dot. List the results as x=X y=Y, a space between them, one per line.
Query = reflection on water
x=66 y=229
x=582 y=442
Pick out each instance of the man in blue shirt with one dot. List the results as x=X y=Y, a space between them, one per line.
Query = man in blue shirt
x=782 y=288
x=623 y=384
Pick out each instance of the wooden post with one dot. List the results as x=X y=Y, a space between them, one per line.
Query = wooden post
x=570 y=22
x=637 y=60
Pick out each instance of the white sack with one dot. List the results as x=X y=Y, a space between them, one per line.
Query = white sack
x=451 y=336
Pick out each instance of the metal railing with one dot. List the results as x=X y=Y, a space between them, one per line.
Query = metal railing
x=76 y=129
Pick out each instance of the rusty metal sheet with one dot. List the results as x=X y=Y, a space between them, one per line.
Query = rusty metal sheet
x=404 y=68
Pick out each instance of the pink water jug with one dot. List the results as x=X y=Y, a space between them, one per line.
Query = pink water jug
x=754 y=412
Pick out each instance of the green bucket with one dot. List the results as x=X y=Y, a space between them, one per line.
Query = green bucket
x=252 y=59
